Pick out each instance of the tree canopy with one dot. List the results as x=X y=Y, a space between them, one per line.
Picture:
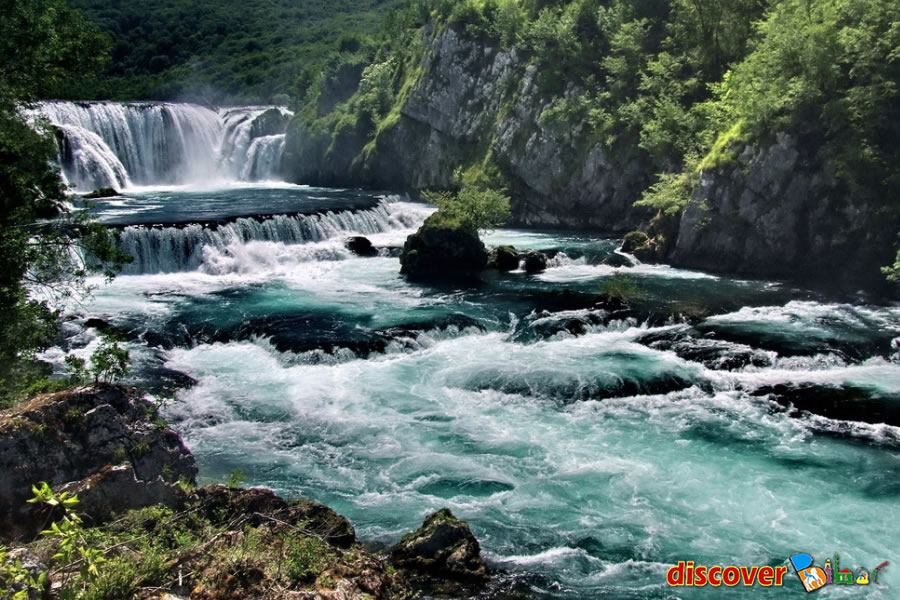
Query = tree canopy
x=218 y=51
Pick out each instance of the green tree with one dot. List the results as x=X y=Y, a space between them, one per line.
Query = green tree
x=46 y=251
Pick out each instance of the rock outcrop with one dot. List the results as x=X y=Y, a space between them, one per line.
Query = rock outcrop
x=98 y=441
x=360 y=246
x=535 y=262
x=270 y=122
x=441 y=250
x=776 y=211
x=442 y=548
x=505 y=258
x=468 y=98
x=106 y=192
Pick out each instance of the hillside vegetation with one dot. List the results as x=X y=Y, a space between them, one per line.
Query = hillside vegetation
x=680 y=86
x=248 y=51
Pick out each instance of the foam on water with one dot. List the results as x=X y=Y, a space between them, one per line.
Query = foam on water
x=625 y=484
x=584 y=456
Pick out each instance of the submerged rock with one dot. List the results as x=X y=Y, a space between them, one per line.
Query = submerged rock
x=360 y=246
x=535 y=262
x=444 y=548
x=443 y=249
x=106 y=192
x=97 y=440
x=845 y=403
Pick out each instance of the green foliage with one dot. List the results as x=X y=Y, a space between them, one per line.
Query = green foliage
x=16 y=582
x=43 y=263
x=892 y=272
x=236 y=478
x=222 y=51
x=109 y=362
x=472 y=207
x=671 y=193
x=622 y=288
x=305 y=556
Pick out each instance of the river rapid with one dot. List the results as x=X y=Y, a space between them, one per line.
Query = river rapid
x=724 y=421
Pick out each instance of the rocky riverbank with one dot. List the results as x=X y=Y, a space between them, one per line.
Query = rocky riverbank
x=160 y=537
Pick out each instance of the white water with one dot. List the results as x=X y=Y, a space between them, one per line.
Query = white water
x=249 y=244
x=109 y=144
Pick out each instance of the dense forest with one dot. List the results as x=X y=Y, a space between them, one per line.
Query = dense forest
x=217 y=51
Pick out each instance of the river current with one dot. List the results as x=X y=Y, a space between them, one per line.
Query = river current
x=723 y=421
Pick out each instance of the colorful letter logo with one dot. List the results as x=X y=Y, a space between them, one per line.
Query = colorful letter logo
x=810 y=576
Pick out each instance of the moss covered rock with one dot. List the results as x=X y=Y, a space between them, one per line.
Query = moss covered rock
x=443 y=249
x=505 y=258
x=443 y=547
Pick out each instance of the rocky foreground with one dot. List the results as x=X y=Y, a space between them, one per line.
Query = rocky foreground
x=160 y=537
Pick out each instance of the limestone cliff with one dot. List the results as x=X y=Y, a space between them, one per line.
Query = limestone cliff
x=777 y=211
x=471 y=102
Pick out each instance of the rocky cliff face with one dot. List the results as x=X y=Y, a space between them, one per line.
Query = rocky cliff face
x=96 y=441
x=777 y=211
x=472 y=100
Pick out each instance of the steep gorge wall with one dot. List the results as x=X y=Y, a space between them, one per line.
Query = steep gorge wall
x=777 y=211
x=470 y=102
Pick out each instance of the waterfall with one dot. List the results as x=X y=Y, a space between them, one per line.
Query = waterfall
x=173 y=249
x=121 y=144
x=92 y=164
x=263 y=158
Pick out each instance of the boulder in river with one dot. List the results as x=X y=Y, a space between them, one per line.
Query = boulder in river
x=360 y=246
x=535 y=262
x=443 y=249
x=443 y=548
x=106 y=192
x=505 y=258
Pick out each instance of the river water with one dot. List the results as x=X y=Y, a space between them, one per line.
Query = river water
x=589 y=450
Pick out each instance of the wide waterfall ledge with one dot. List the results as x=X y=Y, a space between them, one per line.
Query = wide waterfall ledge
x=122 y=145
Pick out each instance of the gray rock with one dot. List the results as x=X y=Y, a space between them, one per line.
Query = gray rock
x=117 y=489
x=777 y=212
x=472 y=96
x=72 y=438
x=443 y=547
x=505 y=258
x=361 y=246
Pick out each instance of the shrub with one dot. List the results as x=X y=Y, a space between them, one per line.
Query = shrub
x=473 y=207
x=304 y=558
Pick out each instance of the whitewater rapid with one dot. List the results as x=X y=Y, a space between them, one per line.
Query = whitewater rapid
x=589 y=449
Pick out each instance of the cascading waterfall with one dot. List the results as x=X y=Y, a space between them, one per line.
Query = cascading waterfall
x=263 y=158
x=174 y=249
x=109 y=144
